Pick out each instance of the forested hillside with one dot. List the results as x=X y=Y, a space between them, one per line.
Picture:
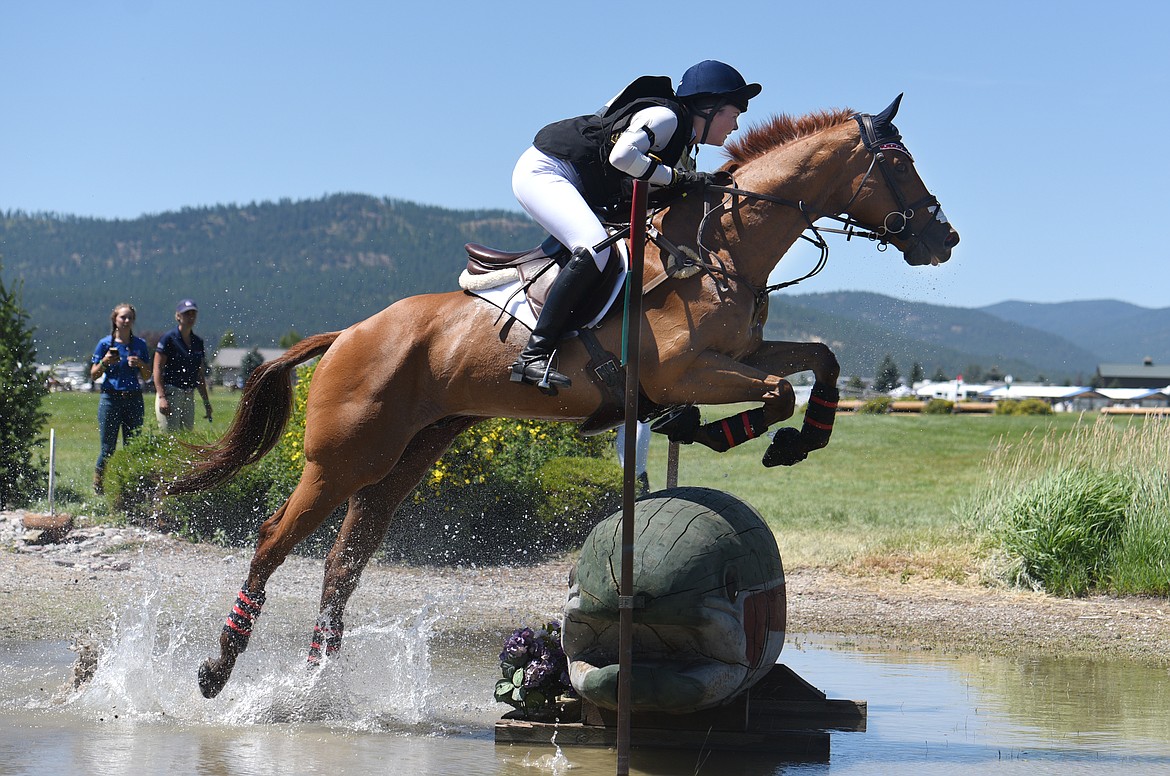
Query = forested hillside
x=864 y=327
x=260 y=269
x=1118 y=332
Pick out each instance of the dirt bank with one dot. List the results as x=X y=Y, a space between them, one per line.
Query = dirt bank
x=60 y=591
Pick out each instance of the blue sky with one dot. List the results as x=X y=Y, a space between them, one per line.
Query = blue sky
x=1042 y=127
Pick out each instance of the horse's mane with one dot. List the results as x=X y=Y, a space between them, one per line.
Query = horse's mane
x=782 y=129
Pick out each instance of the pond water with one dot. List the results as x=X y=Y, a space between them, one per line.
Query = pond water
x=411 y=696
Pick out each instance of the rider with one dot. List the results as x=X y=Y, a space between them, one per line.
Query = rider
x=581 y=165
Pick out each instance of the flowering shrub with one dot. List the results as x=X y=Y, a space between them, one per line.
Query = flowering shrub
x=508 y=451
x=535 y=669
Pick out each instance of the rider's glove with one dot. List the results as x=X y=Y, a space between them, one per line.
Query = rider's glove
x=691 y=180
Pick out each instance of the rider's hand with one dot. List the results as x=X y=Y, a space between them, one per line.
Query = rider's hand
x=689 y=180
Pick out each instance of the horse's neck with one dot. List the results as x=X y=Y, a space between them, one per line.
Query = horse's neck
x=812 y=171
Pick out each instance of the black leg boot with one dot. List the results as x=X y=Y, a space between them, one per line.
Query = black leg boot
x=574 y=284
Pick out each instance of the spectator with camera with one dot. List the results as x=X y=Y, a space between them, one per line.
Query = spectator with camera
x=121 y=361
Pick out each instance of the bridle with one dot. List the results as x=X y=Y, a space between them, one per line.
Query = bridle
x=878 y=145
x=896 y=222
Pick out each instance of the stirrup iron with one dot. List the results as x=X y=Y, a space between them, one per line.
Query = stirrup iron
x=543 y=384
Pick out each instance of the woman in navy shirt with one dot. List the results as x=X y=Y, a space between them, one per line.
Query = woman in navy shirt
x=179 y=372
x=121 y=359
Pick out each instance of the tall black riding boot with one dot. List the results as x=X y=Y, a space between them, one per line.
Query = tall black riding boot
x=573 y=285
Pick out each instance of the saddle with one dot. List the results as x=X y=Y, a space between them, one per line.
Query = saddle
x=508 y=279
x=536 y=269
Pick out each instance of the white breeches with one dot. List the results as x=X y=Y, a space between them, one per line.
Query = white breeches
x=549 y=189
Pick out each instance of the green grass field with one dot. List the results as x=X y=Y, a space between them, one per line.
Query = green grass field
x=886 y=494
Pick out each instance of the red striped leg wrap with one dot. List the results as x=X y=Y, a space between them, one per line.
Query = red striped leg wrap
x=819 y=416
x=328 y=637
x=238 y=627
x=722 y=435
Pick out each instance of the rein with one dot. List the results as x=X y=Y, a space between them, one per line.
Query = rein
x=720 y=274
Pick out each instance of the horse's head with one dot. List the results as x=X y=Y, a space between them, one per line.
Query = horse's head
x=891 y=198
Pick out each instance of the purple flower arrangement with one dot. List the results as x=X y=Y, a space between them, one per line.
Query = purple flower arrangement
x=535 y=670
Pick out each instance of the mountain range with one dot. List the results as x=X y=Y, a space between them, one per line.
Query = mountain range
x=264 y=270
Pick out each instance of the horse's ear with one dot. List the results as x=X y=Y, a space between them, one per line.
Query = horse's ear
x=887 y=116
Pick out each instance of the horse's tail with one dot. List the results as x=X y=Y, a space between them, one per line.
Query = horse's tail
x=260 y=419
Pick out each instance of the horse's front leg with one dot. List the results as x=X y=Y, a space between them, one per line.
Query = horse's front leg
x=771 y=359
x=715 y=378
x=790 y=446
x=370 y=512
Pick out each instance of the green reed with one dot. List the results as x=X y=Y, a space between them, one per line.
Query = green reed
x=1085 y=511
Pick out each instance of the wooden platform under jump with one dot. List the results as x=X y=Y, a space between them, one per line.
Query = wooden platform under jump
x=781 y=714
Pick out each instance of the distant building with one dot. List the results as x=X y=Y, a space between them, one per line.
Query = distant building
x=1137 y=397
x=1063 y=398
x=950 y=390
x=1144 y=375
x=226 y=366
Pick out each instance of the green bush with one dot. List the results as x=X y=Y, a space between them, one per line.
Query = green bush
x=1063 y=528
x=229 y=514
x=1023 y=407
x=22 y=474
x=134 y=473
x=508 y=522
x=878 y=405
x=1088 y=510
x=938 y=407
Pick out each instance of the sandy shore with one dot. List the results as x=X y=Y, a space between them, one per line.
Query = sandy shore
x=64 y=590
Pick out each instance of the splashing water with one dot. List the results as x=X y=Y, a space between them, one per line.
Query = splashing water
x=382 y=681
x=556 y=764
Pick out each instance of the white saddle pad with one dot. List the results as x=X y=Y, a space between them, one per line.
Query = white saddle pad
x=503 y=289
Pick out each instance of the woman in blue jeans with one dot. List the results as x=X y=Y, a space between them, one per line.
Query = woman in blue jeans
x=123 y=360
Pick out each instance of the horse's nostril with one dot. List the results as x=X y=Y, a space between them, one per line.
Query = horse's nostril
x=952 y=239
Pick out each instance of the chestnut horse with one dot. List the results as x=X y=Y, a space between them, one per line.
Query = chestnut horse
x=392 y=392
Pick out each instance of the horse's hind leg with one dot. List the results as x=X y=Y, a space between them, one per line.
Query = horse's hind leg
x=370 y=512
x=314 y=498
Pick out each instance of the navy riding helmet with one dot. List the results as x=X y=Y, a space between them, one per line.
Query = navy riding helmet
x=711 y=78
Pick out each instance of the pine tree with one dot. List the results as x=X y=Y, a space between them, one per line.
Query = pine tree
x=887 y=376
x=21 y=390
x=249 y=362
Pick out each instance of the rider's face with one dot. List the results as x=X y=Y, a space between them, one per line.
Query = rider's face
x=723 y=124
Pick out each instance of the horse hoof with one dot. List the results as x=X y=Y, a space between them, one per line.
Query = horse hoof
x=786 y=449
x=211 y=679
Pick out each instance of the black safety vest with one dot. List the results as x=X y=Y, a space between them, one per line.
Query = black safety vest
x=586 y=142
